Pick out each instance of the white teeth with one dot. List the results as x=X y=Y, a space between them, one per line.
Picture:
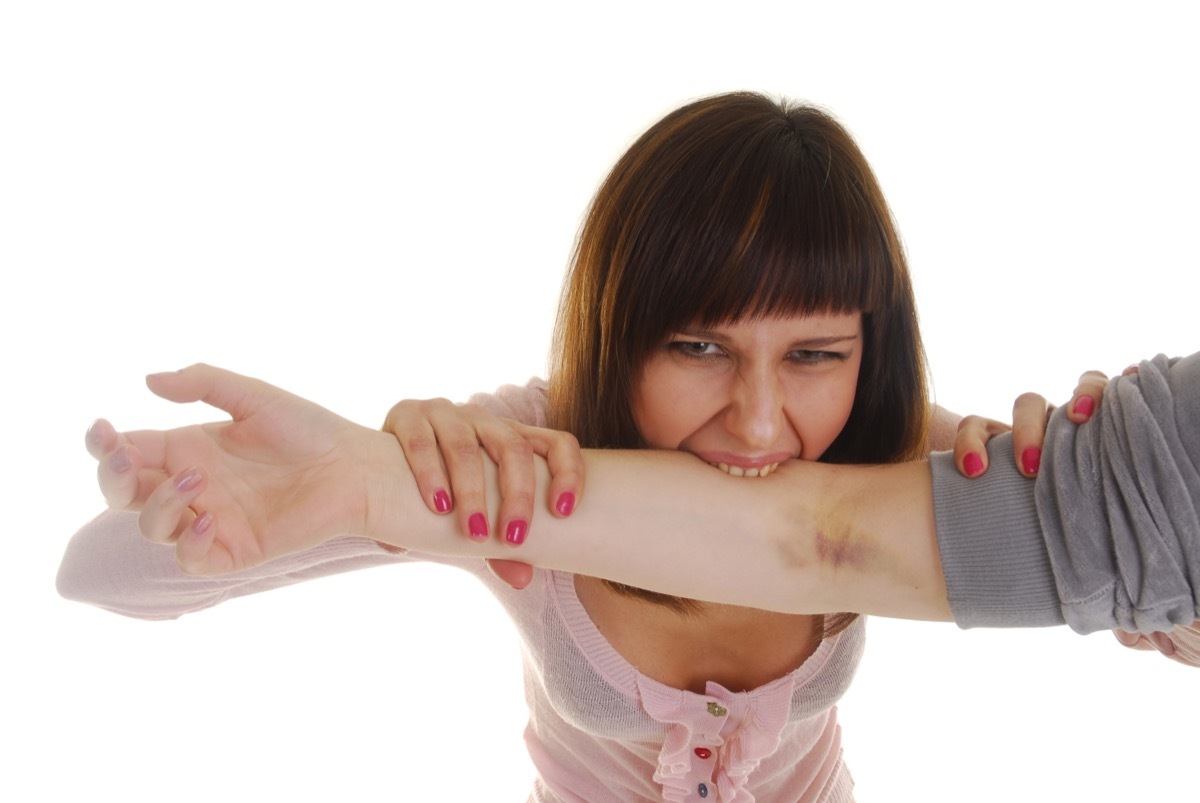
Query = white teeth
x=738 y=471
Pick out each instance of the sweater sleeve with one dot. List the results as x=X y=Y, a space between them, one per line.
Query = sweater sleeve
x=108 y=564
x=1108 y=536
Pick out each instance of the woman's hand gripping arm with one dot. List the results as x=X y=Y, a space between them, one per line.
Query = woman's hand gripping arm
x=448 y=446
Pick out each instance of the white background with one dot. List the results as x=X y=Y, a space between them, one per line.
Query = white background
x=368 y=201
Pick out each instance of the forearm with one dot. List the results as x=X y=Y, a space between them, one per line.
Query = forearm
x=810 y=538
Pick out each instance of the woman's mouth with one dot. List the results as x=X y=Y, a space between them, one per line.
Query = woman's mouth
x=738 y=471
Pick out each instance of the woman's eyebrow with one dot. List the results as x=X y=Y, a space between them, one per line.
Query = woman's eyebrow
x=824 y=342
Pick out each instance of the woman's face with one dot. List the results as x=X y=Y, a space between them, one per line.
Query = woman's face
x=749 y=395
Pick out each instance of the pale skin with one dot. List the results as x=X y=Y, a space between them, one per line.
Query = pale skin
x=764 y=543
x=238 y=493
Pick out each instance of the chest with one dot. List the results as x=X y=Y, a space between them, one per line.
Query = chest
x=739 y=648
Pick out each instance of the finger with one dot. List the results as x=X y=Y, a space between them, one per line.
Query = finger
x=101 y=438
x=970 y=444
x=513 y=456
x=458 y=446
x=117 y=476
x=166 y=514
x=198 y=551
x=1086 y=399
x=419 y=443
x=1029 y=432
x=565 y=462
x=1135 y=641
x=516 y=574
x=1187 y=644
x=1163 y=643
x=238 y=395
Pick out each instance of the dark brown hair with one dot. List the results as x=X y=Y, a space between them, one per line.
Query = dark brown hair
x=733 y=207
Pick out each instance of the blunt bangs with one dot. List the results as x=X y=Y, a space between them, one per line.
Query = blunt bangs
x=764 y=214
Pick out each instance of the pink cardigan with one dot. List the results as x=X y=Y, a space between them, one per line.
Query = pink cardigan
x=598 y=729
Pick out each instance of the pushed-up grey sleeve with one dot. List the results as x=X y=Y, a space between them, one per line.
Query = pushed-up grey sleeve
x=1118 y=505
x=1108 y=536
x=993 y=555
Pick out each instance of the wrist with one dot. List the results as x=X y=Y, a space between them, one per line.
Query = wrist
x=386 y=490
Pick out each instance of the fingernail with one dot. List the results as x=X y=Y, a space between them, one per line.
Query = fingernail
x=477 y=525
x=119 y=463
x=441 y=501
x=565 y=503
x=188 y=480
x=202 y=523
x=515 y=534
x=1085 y=406
x=973 y=465
x=1031 y=460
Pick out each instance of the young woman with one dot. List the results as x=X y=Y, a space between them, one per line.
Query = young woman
x=740 y=293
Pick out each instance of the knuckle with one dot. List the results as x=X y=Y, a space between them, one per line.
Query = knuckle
x=970 y=427
x=1030 y=400
x=568 y=477
x=518 y=449
x=463 y=450
x=420 y=444
x=403 y=406
x=400 y=414
x=521 y=499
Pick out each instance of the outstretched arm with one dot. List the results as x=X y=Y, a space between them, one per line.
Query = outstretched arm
x=285 y=475
x=808 y=538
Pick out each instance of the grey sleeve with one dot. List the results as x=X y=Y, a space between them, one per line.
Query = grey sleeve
x=1108 y=536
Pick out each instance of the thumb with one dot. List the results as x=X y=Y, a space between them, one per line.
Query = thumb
x=238 y=395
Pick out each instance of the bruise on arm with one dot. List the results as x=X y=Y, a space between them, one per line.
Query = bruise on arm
x=827 y=547
x=862 y=540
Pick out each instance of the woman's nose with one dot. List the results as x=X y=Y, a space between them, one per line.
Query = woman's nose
x=756 y=414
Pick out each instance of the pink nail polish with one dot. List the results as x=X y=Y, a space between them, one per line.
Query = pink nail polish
x=1085 y=406
x=201 y=524
x=1031 y=460
x=188 y=480
x=441 y=501
x=477 y=526
x=565 y=504
x=973 y=465
x=515 y=534
x=119 y=463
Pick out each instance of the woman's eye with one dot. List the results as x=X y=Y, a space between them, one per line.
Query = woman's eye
x=695 y=348
x=805 y=357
